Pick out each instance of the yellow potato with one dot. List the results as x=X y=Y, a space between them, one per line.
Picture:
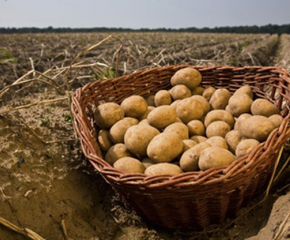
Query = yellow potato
x=239 y=104
x=220 y=98
x=246 y=146
x=165 y=147
x=129 y=165
x=240 y=120
x=104 y=140
x=163 y=169
x=180 y=91
x=219 y=115
x=116 y=152
x=179 y=128
x=189 y=109
x=189 y=159
x=188 y=76
x=217 y=128
x=150 y=100
x=208 y=92
x=118 y=130
x=174 y=104
x=162 y=97
x=147 y=162
x=217 y=141
x=257 y=127
x=107 y=114
x=215 y=157
x=138 y=137
x=187 y=144
x=245 y=90
x=195 y=127
x=197 y=90
x=134 y=106
x=162 y=116
x=264 y=107
x=204 y=103
x=144 y=116
x=198 y=138
x=233 y=138
x=276 y=119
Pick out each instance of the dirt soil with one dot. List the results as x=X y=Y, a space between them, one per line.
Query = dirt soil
x=47 y=186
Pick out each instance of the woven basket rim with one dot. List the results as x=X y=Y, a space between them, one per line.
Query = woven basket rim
x=275 y=141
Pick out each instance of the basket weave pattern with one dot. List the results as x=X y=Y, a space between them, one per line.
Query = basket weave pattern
x=193 y=199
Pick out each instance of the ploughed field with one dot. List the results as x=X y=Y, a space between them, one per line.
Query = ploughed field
x=46 y=184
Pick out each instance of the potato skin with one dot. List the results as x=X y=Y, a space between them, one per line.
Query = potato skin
x=217 y=128
x=162 y=116
x=220 y=98
x=134 y=106
x=188 y=76
x=208 y=92
x=204 y=103
x=118 y=130
x=219 y=115
x=129 y=165
x=104 y=140
x=180 y=91
x=179 y=128
x=116 y=152
x=138 y=137
x=189 y=109
x=233 y=138
x=246 y=89
x=165 y=147
x=189 y=159
x=198 y=138
x=240 y=120
x=150 y=100
x=195 y=127
x=217 y=141
x=215 y=157
x=245 y=147
x=197 y=91
x=187 y=144
x=239 y=104
x=276 y=119
x=163 y=169
x=257 y=127
x=264 y=107
x=162 y=97
x=107 y=114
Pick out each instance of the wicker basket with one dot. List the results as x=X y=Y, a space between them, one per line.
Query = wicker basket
x=193 y=199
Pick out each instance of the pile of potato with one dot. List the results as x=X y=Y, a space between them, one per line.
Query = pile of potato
x=186 y=128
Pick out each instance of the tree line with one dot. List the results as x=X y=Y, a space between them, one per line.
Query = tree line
x=270 y=28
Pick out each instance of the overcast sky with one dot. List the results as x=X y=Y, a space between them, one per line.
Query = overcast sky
x=142 y=14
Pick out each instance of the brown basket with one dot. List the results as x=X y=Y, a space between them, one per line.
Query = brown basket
x=193 y=199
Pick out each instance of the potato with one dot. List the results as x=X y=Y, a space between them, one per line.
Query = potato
x=188 y=76
x=257 y=127
x=165 y=147
x=245 y=147
x=217 y=128
x=233 y=138
x=198 y=138
x=179 y=128
x=189 y=109
x=276 y=119
x=161 y=116
x=138 y=137
x=219 y=115
x=129 y=165
x=187 y=144
x=189 y=159
x=220 y=98
x=245 y=90
x=217 y=141
x=195 y=127
x=204 y=103
x=174 y=104
x=180 y=91
x=208 y=92
x=163 y=169
x=215 y=157
x=197 y=90
x=162 y=97
x=118 y=130
x=240 y=120
x=104 y=140
x=264 y=107
x=107 y=114
x=144 y=116
x=150 y=100
x=116 y=152
x=134 y=106
x=147 y=162
x=239 y=104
